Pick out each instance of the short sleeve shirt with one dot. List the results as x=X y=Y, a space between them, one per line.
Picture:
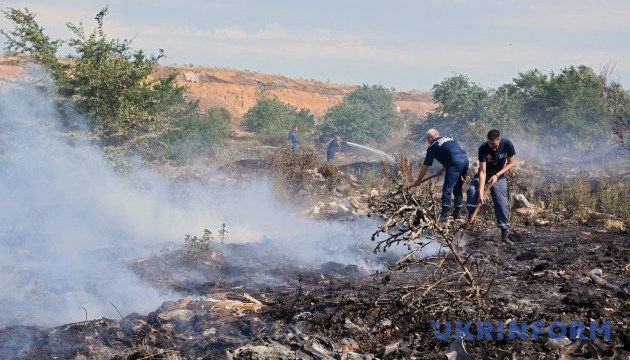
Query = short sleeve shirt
x=496 y=160
x=445 y=150
x=293 y=137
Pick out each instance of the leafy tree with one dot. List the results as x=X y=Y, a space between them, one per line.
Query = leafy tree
x=559 y=108
x=366 y=114
x=198 y=133
x=458 y=96
x=273 y=119
x=109 y=81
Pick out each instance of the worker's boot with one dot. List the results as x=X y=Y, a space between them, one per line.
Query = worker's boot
x=444 y=214
x=457 y=212
x=504 y=236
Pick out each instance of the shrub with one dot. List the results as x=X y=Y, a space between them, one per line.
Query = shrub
x=293 y=172
x=199 y=249
x=366 y=114
x=198 y=133
x=111 y=83
x=272 y=119
x=331 y=173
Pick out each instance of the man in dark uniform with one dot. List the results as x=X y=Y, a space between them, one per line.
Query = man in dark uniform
x=496 y=157
x=455 y=162
x=293 y=139
x=333 y=147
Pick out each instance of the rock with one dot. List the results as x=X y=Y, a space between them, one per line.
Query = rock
x=191 y=77
x=355 y=202
x=259 y=352
x=315 y=348
x=613 y=224
x=527 y=212
x=558 y=343
x=521 y=202
x=391 y=348
x=541 y=222
x=373 y=192
x=600 y=216
x=175 y=305
x=457 y=351
x=343 y=208
x=181 y=315
x=317 y=208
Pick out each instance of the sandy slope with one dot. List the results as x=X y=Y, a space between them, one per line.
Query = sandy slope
x=238 y=90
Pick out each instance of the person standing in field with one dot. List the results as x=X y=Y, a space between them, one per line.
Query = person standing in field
x=293 y=139
x=496 y=158
x=454 y=159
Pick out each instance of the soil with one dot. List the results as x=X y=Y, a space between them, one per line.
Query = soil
x=337 y=311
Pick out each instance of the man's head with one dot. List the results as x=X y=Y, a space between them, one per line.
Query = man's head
x=494 y=139
x=431 y=135
x=337 y=137
x=295 y=128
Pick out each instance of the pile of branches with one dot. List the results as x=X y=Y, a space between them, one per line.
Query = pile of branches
x=446 y=282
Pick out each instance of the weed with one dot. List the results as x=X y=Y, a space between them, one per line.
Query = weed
x=199 y=249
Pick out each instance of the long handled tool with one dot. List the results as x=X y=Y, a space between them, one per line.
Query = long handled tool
x=474 y=214
x=431 y=177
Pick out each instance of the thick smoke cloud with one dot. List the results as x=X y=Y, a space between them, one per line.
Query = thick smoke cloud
x=69 y=225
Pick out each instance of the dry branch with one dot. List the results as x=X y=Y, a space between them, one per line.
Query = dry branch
x=450 y=280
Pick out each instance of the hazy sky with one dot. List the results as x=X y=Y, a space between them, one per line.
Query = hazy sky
x=401 y=44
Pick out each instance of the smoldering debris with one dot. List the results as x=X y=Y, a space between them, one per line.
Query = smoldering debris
x=335 y=315
x=71 y=225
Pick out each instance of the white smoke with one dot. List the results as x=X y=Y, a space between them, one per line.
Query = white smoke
x=69 y=225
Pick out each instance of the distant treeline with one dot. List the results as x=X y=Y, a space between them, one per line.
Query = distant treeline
x=128 y=106
x=574 y=108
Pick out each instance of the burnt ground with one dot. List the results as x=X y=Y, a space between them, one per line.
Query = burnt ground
x=339 y=311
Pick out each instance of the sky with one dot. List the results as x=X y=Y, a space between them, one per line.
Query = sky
x=399 y=44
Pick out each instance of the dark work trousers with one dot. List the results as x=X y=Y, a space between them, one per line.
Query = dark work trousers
x=454 y=182
x=330 y=155
x=499 y=197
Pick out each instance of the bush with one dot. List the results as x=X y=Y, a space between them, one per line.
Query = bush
x=199 y=249
x=198 y=133
x=331 y=173
x=366 y=114
x=293 y=172
x=110 y=83
x=558 y=109
x=272 y=120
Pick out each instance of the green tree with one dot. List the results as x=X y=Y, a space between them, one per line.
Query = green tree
x=559 y=108
x=272 y=119
x=108 y=81
x=459 y=97
x=198 y=133
x=366 y=114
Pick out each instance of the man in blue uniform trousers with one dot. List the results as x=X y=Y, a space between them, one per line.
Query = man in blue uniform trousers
x=333 y=147
x=453 y=158
x=496 y=157
x=293 y=139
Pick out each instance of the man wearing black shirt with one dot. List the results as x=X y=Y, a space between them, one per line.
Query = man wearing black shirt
x=496 y=157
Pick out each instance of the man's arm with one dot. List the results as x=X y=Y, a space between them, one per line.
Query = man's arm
x=482 y=181
x=423 y=171
x=511 y=162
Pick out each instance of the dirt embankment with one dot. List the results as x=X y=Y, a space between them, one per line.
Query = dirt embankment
x=237 y=90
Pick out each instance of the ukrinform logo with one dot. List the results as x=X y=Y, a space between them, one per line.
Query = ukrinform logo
x=519 y=331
